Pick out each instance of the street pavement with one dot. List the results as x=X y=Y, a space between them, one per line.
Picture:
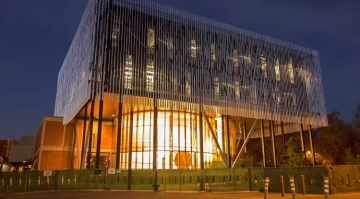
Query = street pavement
x=164 y=195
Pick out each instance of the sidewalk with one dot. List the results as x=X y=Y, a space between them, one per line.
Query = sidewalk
x=164 y=195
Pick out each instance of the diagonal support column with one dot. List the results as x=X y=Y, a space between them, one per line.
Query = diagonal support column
x=244 y=144
x=216 y=141
x=302 y=138
x=83 y=144
x=312 y=147
x=263 y=143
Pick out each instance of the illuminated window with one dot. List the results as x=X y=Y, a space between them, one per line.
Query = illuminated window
x=128 y=72
x=216 y=87
x=237 y=90
x=150 y=75
x=277 y=99
x=219 y=131
x=193 y=48
x=291 y=71
x=150 y=60
x=263 y=65
x=235 y=60
x=187 y=84
x=277 y=70
x=212 y=52
x=245 y=58
x=151 y=38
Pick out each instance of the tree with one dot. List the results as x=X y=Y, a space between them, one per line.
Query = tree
x=356 y=118
x=356 y=126
x=294 y=155
x=350 y=157
x=333 y=140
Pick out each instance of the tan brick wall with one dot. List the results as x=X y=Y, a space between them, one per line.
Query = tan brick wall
x=69 y=131
x=53 y=133
x=50 y=160
x=38 y=138
x=55 y=160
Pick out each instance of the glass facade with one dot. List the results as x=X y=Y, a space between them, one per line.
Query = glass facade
x=178 y=143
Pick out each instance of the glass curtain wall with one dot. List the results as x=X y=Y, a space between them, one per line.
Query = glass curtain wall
x=178 y=140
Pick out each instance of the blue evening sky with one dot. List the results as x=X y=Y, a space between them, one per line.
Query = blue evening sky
x=36 y=34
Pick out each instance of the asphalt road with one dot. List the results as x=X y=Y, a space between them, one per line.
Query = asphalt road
x=165 y=195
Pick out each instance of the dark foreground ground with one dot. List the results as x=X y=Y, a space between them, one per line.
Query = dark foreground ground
x=164 y=195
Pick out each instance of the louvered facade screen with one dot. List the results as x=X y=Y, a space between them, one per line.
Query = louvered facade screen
x=144 y=55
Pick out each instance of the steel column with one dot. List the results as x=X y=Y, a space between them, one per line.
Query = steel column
x=272 y=131
x=118 y=137
x=263 y=143
x=312 y=146
x=216 y=141
x=302 y=138
x=91 y=122
x=244 y=144
x=73 y=142
x=244 y=135
x=83 y=139
x=283 y=135
x=201 y=142
x=130 y=149
x=155 y=137
x=98 y=141
x=228 y=141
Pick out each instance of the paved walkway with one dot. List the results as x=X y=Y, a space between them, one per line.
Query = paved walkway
x=165 y=195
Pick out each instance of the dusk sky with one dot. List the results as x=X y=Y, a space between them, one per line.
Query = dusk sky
x=35 y=36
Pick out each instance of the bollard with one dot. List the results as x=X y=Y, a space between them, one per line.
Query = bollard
x=292 y=184
x=326 y=187
x=302 y=184
x=266 y=187
x=282 y=186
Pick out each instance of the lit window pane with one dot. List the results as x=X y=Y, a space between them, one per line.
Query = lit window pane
x=263 y=65
x=128 y=72
x=291 y=71
x=277 y=70
x=193 y=48
x=151 y=38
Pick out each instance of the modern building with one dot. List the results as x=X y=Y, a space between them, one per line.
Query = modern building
x=5 y=146
x=146 y=86
x=21 y=154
